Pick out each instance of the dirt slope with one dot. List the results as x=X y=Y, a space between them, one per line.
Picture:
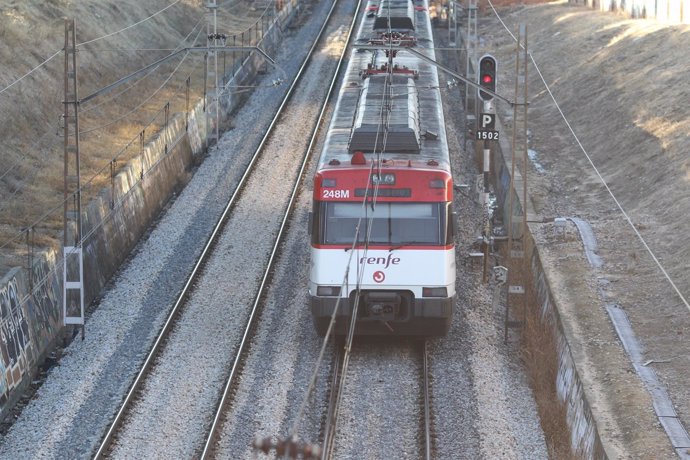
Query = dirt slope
x=31 y=31
x=622 y=84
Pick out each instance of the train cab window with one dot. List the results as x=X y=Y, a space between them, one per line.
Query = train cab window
x=423 y=224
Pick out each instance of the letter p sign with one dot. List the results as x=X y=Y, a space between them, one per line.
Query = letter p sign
x=487 y=120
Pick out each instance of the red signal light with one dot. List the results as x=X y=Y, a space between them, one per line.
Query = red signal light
x=487 y=76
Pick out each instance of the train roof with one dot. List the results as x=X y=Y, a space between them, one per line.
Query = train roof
x=415 y=125
x=395 y=14
x=398 y=92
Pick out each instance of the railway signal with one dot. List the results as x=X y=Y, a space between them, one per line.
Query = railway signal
x=487 y=76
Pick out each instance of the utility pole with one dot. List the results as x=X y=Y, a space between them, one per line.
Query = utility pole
x=212 y=45
x=517 y=256
x=73 y=283
x=470 y=60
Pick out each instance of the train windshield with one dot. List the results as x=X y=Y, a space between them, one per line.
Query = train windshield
x=422 y=224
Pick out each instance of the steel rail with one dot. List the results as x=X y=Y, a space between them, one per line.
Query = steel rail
x=329 y=431
x=427 y=409
x=203 y=258
x=217 y=421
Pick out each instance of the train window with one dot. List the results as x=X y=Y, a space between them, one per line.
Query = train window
x=389 y=224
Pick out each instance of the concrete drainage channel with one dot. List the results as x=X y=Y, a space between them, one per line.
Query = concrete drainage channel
x=567 y=419
x=551 y=361
x=552 y=339
x=554 y=366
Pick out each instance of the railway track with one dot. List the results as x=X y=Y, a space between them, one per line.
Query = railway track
x=482 y=404
x=216 y=427
x=244 y=199
x=338 y=389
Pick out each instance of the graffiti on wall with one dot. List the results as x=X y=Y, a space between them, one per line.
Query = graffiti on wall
x=14 y=338
x=27 y=329
x=44 y=312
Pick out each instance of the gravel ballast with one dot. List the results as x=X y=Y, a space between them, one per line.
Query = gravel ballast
x=481 y=404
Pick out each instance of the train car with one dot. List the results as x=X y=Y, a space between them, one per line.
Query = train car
x=382 y=224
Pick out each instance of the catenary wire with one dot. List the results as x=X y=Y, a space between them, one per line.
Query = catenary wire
x=70 y=196
x=34 y=171
x=145 y=101
x=51 y=272
x=30 y=71
x=181 y=45
x=82 y=187
x=384 y=120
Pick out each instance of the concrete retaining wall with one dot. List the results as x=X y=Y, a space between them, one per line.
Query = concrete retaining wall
x=585 y=440
x=31 y=302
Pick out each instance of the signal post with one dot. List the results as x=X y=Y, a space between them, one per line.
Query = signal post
x=486 y=133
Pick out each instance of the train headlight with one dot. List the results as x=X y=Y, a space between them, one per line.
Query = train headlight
x=434 y=292
x=328 y=291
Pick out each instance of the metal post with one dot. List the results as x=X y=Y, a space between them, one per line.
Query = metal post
x=165 y=129
x=450 y=3
x=470 y=67
x=72 y=226
x=30 y=235
x=234 y=57
x=216 y=94
x=517 y=256
x=523 y=33
x=112 y=184
x=486 y=233
x=204 y=105
x=186 y=117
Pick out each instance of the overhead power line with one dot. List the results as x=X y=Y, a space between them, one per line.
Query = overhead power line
x=30 y=72
x=179 y=46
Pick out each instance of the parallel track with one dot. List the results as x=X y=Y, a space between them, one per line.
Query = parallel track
x=232 y=378
x=136 y=388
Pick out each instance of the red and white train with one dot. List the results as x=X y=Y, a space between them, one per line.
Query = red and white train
x=382 y=225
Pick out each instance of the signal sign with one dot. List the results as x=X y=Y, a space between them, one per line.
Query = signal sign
x=487 y=76
x=486 y=131
x=488 y=120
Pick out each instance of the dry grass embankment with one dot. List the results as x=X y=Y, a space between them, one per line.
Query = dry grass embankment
x=31 y=179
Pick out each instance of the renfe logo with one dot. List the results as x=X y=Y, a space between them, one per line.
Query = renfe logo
x=386 y=261
x=379 y=276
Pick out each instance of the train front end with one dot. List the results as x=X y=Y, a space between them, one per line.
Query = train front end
x=382 y=242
